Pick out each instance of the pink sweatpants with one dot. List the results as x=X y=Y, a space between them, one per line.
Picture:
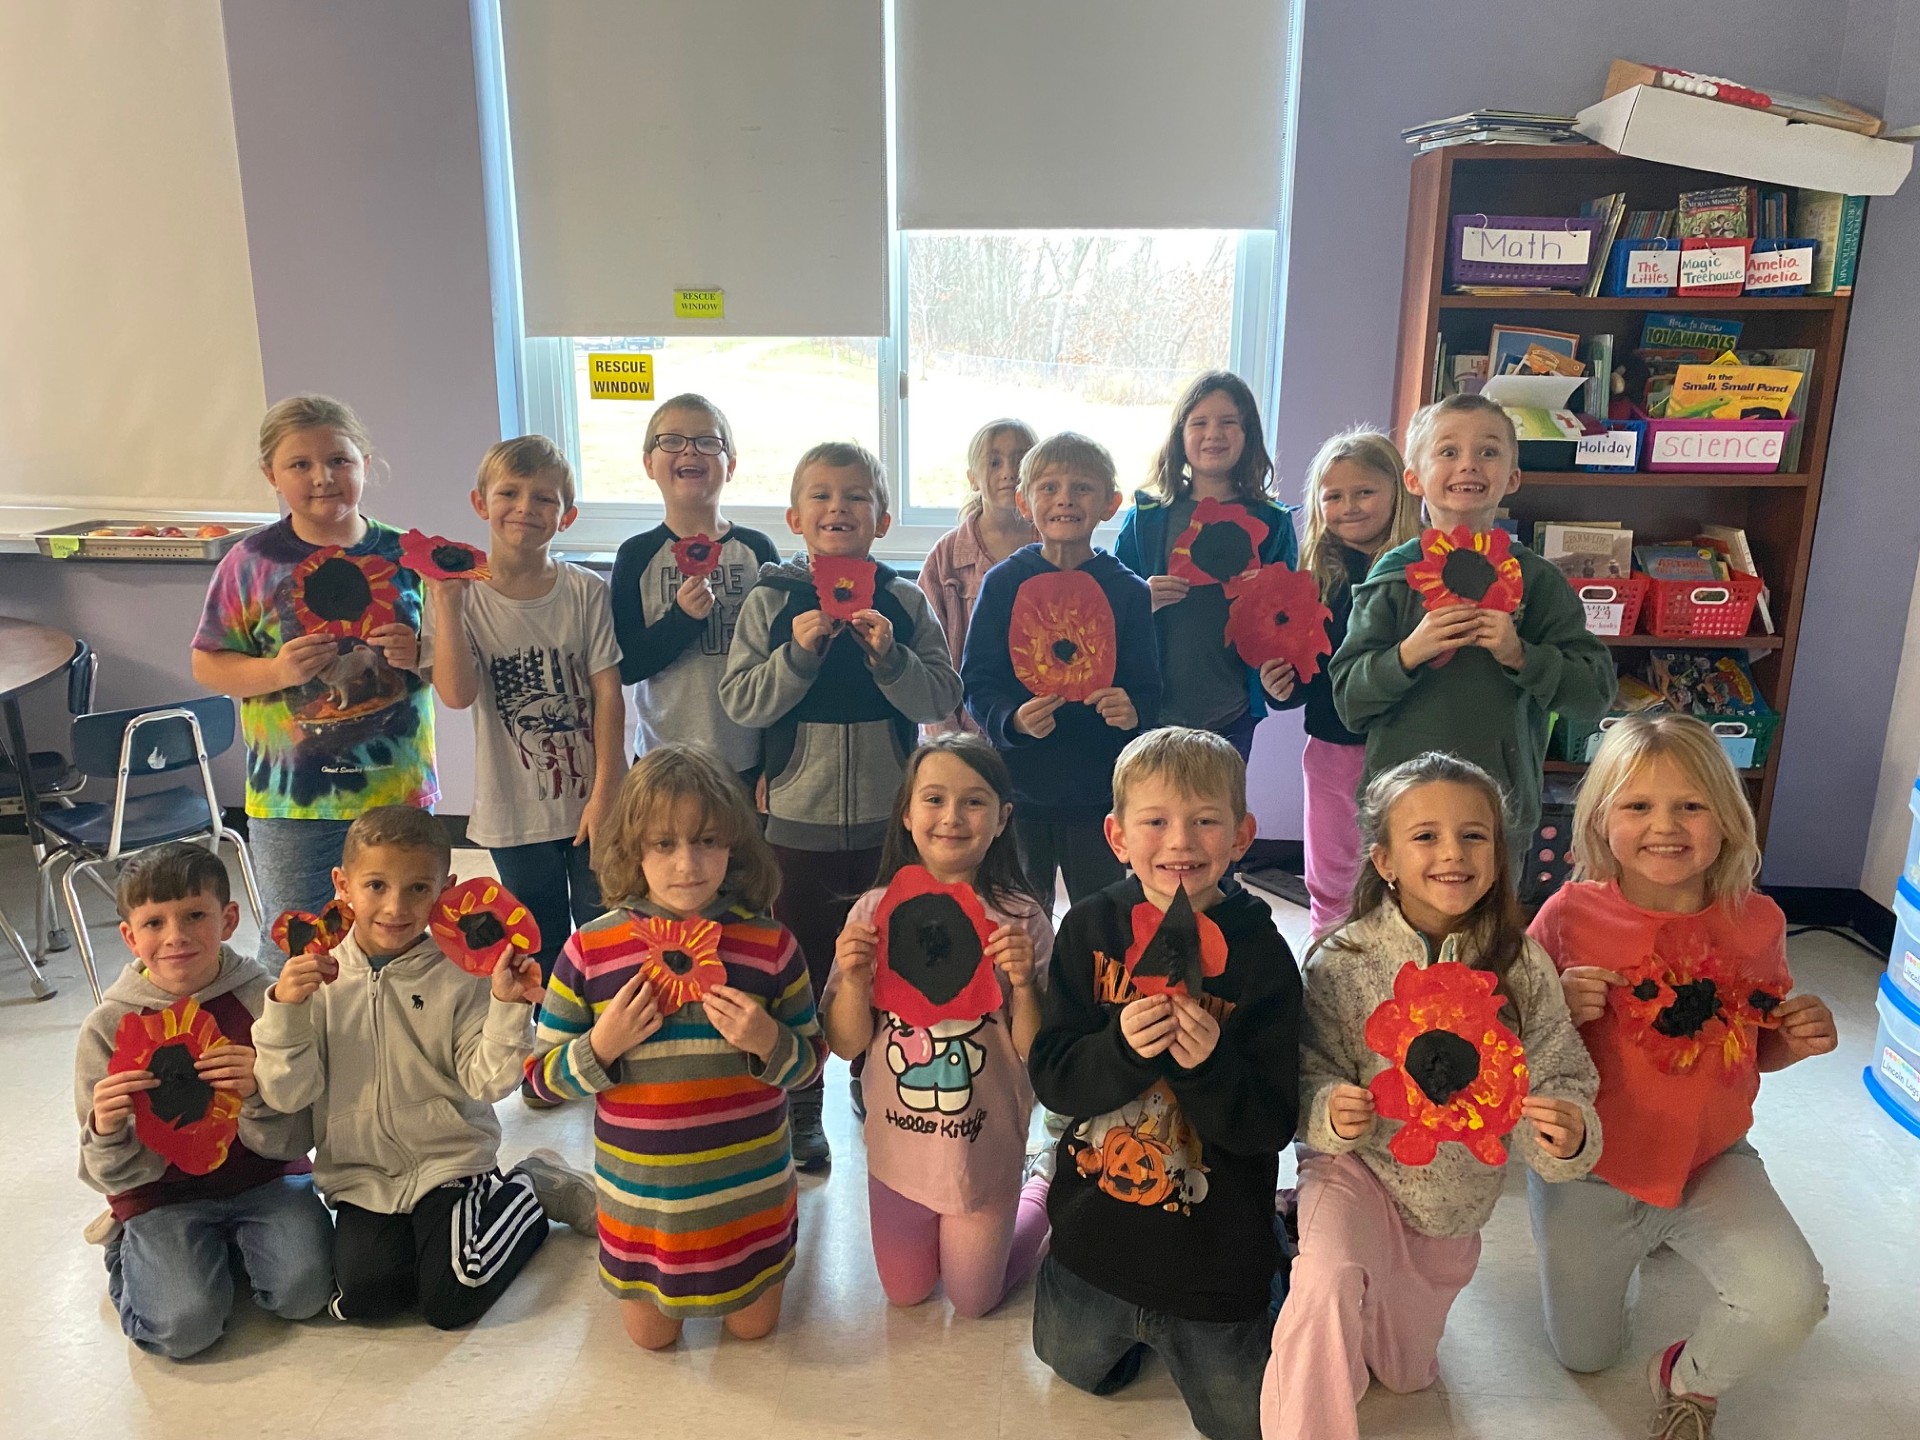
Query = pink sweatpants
x=981 y=1255
x=1331 y=774
x=1366 y=1293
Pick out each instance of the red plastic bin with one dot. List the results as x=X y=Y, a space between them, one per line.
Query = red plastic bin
x=1695 y=609
x=1602 y=598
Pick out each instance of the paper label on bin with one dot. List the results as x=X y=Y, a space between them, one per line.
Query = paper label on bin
x=1713 y=265
x=60 y=547
x=1723 y=444
x=1894 y=1067
x=1616 y=449
x=1910 y=968
x=1653 y=269
x=1605 y=616
x=1480 y=244
x=1770 y=268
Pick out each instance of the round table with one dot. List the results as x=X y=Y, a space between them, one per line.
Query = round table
x=29 y=654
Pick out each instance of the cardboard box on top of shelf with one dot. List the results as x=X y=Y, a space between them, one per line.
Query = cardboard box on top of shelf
x=1676 y=129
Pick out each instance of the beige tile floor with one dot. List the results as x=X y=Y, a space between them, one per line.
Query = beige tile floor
x=551 y=1357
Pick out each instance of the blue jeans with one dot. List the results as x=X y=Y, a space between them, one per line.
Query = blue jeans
x=293 y=864
x=552 y=879
x=1096 y=1341
x=169 y=1273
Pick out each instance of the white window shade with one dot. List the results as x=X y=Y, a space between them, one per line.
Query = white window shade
x=663 y=145
x=1091 y=114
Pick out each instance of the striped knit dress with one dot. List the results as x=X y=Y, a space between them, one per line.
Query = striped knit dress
x=691 y=1151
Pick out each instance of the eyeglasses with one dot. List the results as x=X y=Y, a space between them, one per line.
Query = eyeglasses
x=703 y=444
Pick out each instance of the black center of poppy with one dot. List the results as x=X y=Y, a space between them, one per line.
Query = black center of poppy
x=1442 y=1064
x=481 y=929
x=1174 y=950
x=843 y=589
x=454 y=559
x=933 y=946
x=678 y=961
x=1693 y=1005
x=1280 y=619
x=1222 y=550
x=337 y=590
x=1468 y=574
x=1763 y=1001
x=182 y=1097
x=1065 y=651
x=698 y=551
x=300 y=934
x=1645 y=990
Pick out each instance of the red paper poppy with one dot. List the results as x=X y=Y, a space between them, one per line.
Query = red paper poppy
x=1454 y=1072
x=1061 y=635
x=1173 y=950
x=300 y=932
x=434 y=557
x=1685 y=1001
x=932 y=962
x=1220 y=546
x=1477 y=567
x=1278 y=615
x=844 y=584
x=184 y=1120
x=478 y=920
x=697 y=555
x=680 y=958
x=344 y=595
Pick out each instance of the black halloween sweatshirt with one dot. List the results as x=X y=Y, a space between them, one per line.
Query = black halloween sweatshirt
x=1163 y=1195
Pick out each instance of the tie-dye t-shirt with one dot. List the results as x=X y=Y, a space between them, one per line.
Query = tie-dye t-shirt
x=357 y=735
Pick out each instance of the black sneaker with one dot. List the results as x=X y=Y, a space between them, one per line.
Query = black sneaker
x=810 y=1152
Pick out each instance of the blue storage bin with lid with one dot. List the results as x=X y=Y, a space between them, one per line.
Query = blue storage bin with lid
x=1911 y=870
x=1903 y=960
x=1893 y=1079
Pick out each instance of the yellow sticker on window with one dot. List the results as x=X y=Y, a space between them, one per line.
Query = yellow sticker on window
x=619 y=375
x=699 y=304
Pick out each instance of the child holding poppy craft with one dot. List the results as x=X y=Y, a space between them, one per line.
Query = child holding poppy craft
x=678 y=588
x=1477 y=681
x=1356 y=509
x=1170 y=1031
x=686 y=1012
x=402 y=1054
x=840 y=697
x=313 y=626
x=1215 y=453
x=1675 y=969
x=1034 y=666
x=172 y=1220
x=948 y=1100
x=1391 y=1213
x=531 y=650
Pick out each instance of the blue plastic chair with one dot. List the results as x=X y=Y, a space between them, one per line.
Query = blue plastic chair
x=55 y=779
x=131 y=744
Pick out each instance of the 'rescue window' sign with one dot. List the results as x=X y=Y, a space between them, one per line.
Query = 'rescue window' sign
x=619 y=375
x=699 y=305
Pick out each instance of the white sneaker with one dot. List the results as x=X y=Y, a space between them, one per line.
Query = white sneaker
x=566 y=1194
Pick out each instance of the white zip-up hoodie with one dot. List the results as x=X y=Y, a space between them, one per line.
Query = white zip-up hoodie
x=402 y=1066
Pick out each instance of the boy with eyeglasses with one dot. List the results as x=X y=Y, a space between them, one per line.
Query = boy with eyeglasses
x=674 y=628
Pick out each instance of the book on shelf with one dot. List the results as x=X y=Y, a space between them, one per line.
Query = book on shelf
x=1836 y=222
x=1726 y=211
x=1731 y=542
x=1590 y=550
x=1612 y=210
x=1507 y=346
x=1679 y=562
x=1600 y=365
x=1506 y=127
x=1663 y=331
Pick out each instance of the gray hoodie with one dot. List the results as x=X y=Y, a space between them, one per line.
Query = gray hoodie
x=1455 y=1194
x=118 y=1164
x=401 y=1066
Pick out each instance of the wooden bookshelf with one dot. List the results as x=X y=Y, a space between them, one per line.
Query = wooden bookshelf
x=1777 y=511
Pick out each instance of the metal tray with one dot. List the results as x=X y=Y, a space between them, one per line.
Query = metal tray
x=74 y=542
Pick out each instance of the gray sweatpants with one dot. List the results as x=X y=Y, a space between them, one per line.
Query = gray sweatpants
x=1729 y=1224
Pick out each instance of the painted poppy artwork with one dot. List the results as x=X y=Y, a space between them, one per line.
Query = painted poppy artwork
x=1478 y=568
x=844 y=584
x=695 y=556
x=300 y=932
x=434 y=557
x=344 y=595
x=183 y=1120
x=1220 y=546
x=680 y=958
x=1174 y=951
x=1685 y=1003
x=1061 y=636
x=932 y=962
x=1278 y=615
x=478 y=920
x=1454 y=1071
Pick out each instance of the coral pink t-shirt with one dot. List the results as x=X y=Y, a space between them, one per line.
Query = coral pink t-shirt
x=1659 y=1128
x=947 y=1108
